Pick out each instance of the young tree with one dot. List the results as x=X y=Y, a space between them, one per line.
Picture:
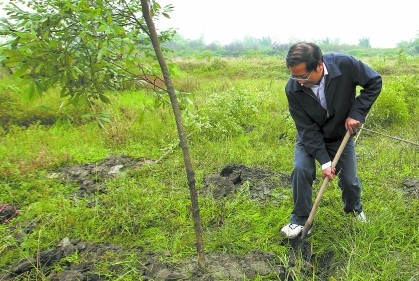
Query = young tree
x=181 y=132
x=83 y=47
x=88 y=47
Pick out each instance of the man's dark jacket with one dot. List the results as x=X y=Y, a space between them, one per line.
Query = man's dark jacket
x=316 y=125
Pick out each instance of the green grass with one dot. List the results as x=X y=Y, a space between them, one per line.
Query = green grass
x=149 y=205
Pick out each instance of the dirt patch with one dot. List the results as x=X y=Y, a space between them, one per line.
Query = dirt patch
x=220 y=266
x=92 y=177
x=7 y=212
x=55 y=264
x=262 y=183
x=411 y=187
x=43 y=264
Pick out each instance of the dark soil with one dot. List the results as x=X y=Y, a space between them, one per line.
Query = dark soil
x=7 y=212
x=411 y=187
x=262 y=184
x=92 y=177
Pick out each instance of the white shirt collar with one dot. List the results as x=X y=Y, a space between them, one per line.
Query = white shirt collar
x=325 y=70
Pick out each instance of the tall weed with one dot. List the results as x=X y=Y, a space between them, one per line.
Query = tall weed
x=225 y=114
x=391 y=107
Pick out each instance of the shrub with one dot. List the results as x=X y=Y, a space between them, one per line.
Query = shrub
x=225 y=114
x=390 y=107
x=408 y=84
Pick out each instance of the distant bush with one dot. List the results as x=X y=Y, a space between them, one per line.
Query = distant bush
x=394 y=65
x=358 y=52
x=391 y=106
x=217 y=64
x=225 y=114
x=408 y=84
x=383 y=67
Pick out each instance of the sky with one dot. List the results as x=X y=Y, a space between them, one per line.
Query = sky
x=384 y=22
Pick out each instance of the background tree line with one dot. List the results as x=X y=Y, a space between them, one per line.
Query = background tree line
x=267 y=46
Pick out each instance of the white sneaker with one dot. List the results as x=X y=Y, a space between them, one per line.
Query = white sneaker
x=361 y=217
x=292 y=230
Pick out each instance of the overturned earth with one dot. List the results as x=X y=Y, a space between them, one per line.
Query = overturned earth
x=261 y=184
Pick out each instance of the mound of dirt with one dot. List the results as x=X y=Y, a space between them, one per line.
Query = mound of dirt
x=220 y=266
x=45 y=261
x=262 y=183
x=56 y=265
x=92 y=176
x=53 y=264
x=7 y=212
x=411 y=187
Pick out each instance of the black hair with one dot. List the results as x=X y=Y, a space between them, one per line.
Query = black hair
x=304 y=52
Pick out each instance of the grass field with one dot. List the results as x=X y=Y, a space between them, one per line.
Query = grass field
x=235 y=112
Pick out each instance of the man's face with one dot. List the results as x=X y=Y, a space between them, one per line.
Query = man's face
x=306 y=79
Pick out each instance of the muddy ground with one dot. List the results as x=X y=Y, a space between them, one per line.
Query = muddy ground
x=91 y=178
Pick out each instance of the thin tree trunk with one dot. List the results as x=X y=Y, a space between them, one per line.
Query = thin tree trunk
x=181 y=132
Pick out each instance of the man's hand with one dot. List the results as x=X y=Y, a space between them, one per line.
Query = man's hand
x=328 y=172
x=351 y=125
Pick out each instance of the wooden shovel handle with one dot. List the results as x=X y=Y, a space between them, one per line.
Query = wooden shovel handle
x=313 y=212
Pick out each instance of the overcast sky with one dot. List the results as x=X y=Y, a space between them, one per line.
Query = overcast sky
x=384 y=22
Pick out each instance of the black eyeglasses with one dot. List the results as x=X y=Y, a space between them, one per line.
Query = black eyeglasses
x=302 y=78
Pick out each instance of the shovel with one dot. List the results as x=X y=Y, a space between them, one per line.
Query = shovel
x=309 y=222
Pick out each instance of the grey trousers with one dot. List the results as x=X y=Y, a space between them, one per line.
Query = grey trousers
x=304 y=174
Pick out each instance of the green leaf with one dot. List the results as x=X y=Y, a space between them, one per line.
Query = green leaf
x=100 y=54
x=29 y=94
x=25 y=35
x=64 y=92
x=76 y=69
x=102 y=28
x=156 y=6
x=45 y=35
x=38 y=88
x=101 y=125
x=104 y=99
x=21 y=71
x=119 y=30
